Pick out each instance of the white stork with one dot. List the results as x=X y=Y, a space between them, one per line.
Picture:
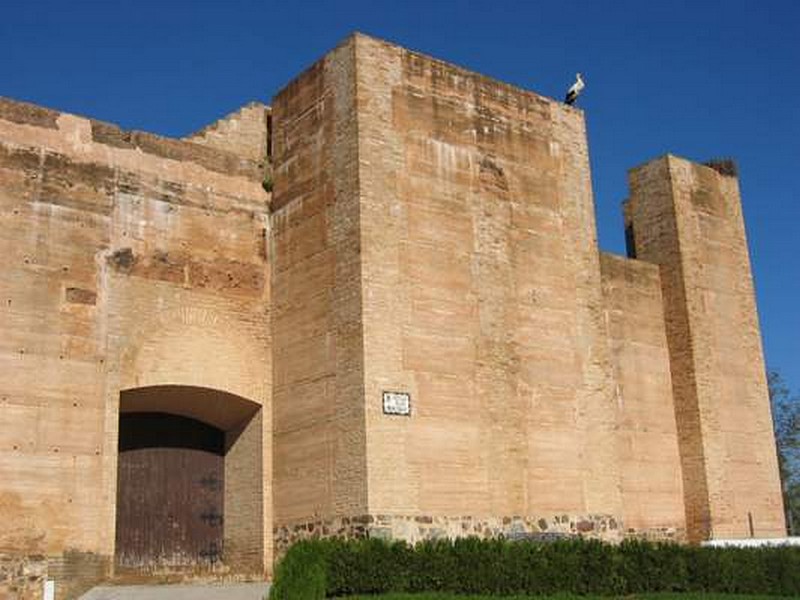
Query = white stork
x=575 y=90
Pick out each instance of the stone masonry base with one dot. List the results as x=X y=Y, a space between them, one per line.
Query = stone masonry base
x=22 y=577
x=417 y=528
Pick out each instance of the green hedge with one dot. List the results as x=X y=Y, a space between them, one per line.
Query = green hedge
x=315 y=569
x=301 y=574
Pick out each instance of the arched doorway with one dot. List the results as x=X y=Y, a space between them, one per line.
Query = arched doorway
x=189 y=482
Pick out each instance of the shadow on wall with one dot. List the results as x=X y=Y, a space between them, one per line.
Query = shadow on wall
x=189 y=484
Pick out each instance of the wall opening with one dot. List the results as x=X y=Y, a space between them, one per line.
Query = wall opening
x=630 y=241
x=190 y=489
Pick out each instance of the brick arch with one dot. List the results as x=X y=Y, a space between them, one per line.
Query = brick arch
x=196 y=347
x=218 y=360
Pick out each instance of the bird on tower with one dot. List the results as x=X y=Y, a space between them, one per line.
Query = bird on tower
x=575 y=90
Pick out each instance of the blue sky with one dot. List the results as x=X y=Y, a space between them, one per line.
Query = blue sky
x=698 y=79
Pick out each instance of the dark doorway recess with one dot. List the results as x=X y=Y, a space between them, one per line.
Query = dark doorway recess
x=170 y=493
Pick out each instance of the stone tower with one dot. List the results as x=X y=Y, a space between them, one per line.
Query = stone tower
x=687 y=218
x=434 y=235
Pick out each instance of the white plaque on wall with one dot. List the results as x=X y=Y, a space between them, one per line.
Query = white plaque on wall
x=397 y=403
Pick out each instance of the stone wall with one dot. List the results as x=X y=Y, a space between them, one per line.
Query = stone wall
x=482 y=297
x=22 y=577
x=244 y=132
x=416 y=528
x=128 y=260
x=687 y=218
x=652 y=486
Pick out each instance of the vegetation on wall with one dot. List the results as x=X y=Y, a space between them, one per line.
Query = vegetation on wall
x=266 y=182
x=723 y=166
x=312 y=570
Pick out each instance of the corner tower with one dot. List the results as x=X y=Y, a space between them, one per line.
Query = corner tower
x=687 y=218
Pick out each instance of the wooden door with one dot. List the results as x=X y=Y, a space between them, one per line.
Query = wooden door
x=169 y=493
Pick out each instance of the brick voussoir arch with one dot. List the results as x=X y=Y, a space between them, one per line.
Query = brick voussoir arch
x=196 y=347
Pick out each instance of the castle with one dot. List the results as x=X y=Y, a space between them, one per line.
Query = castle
x=375 y=308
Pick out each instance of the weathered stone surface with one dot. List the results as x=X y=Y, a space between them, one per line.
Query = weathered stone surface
x=687 y=218
x=652 y=487
x=125 y=265
x=431 y=231
x=318 y=393
x=245 y=133
x=208 y=157
x=425 y=527
x=76 y=295
x=482 y=296
x=27 y=114
x=22 y=577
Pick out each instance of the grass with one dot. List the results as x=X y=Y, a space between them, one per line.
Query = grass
x=658 y=596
